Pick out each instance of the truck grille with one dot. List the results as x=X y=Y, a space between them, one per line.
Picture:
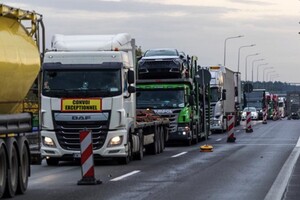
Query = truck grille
x=67 y=133
x=173 y=121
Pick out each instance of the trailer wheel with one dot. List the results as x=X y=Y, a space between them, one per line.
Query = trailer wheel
x=13 y=167
x=3 y=167
x=24 y=168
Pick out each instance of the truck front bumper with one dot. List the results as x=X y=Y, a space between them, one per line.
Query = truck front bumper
x=106 y=151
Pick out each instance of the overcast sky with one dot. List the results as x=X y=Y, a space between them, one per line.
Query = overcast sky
x=197 y=27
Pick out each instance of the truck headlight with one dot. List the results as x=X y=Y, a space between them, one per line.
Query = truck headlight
x=115 y=141
x=47 y=141
x=184 y=130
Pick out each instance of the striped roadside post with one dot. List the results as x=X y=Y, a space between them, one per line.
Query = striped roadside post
x=230 y=128
x=265 y=115
x=87 y=159
x=248 y=125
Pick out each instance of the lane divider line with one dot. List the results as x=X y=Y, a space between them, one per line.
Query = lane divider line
x=126 y=175
x=180 y=154
x=218 y=140
x=281 y=182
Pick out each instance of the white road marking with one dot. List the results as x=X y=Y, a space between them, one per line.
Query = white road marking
x=218 y=140
x=278 y=188
x=237 y=131
x=125 y=175
x=180 y=154
x=298 y=143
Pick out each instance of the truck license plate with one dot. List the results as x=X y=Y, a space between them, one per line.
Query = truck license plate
x=76 y=155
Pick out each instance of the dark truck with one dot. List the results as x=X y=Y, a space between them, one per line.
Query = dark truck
x=293 y=105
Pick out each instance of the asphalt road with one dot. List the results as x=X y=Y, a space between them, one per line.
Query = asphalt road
x=246 y=169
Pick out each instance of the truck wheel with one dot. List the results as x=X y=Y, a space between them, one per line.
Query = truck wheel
x=153 y=148
x=162 y=139
x=157 y=140
x=189 y=142
x=3 y=167
x=13 y=167
x=24 y=168
x=52 y=161
x=140 y=153
x=128 y=158
x=195 y=133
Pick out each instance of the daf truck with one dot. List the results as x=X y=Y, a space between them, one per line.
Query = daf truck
x=89 y=83
x=20 y=62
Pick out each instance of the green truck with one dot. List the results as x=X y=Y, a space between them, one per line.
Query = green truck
x=178 y=99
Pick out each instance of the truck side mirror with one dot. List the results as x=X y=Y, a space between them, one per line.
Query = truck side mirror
x=224 y=94
x=130 y=77
x=131 y=89
x=236 y=92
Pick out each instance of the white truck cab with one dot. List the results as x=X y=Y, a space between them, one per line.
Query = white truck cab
x=88 y=83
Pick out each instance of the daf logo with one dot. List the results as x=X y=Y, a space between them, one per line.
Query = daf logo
x=80 y=117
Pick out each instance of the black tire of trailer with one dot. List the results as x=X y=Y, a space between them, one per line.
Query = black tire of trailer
x=166 y=134
x=162 y=139
x=195 y=133
x=154 y=147
x=52 y=161
x=188 y=142
x=159 y=139
x=128 y=158
x=13 y=167
x=24 y=164
x=3 y=167
x=140 y=154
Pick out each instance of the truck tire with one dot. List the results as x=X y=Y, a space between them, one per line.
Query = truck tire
x=13 y=167
x=24 y=167
x=3 y=167
x=52 y=161
x=128 y=158
x=153 y=148
x=162 y=139
x=140 y=154
x=195 y=133
x=158 y=140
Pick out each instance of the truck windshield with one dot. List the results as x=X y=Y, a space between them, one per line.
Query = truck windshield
x=160 y=99
x=82 y=83
x=215 y=94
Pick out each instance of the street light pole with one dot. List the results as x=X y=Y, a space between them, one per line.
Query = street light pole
x=270 y=72
x=264 y=72
x=246 y=64
x=273 y=76
x=239 y=53
x=258 y=68
x=253 y=66
x=225 y=46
